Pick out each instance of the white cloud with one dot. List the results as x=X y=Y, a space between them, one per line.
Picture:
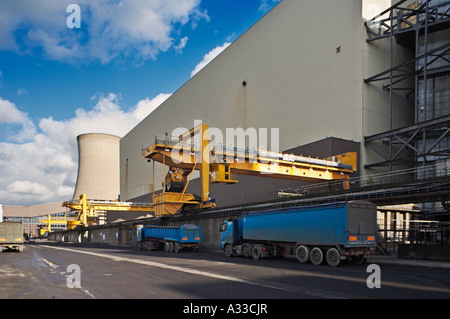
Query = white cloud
x=179 y=48
x=109 y=29
x=266 y=5
x=209 y=57
x=27 y=187
x=44 y=167
x=10 y=114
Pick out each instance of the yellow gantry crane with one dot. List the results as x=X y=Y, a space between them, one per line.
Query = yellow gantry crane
x=47 y=224
x=219 y=164
x=87 y=210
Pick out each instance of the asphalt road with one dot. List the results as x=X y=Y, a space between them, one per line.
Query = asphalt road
x=42 y=271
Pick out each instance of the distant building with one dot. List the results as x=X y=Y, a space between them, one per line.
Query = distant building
x=31 y=216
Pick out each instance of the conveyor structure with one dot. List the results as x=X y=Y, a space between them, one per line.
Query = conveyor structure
x=220 y=164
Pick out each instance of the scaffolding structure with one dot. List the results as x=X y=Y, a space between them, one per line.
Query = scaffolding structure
x=402 y=231
x=423 y=27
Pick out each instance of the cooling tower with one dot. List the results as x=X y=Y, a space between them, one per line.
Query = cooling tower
x=98 y=167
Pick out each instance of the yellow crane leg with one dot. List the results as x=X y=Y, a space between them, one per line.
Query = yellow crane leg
x=204 y=162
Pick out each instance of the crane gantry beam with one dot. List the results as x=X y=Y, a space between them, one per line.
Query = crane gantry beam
x=87 y=209
x=219 y=164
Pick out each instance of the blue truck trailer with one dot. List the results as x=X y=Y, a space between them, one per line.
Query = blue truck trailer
x=172 y=239
x=328 y=232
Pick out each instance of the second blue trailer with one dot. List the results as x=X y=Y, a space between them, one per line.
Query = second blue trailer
x=171 y=238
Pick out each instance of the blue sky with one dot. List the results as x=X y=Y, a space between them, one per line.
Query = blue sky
x=126 y=59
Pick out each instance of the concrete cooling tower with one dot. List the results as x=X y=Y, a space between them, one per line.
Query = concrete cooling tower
x=98 y=167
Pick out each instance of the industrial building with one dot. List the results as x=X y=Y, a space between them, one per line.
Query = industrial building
x=331 y=80
x=316 y=71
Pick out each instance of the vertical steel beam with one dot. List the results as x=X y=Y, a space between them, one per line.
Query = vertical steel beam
x=204 y=162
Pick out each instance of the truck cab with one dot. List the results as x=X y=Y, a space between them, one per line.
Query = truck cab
x=233 y=243
x=139 y=235
x=231 y=232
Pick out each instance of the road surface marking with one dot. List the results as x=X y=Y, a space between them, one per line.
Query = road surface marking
x=10 y=272
x=55 y=266
x=170 y=267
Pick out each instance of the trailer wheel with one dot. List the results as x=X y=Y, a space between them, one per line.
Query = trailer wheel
x=316 y=256
x=151 y=245
x=166 y=247
x=227 y=250
x=246 y=250
x=333 y=257
x=176 y=248
x=256 y=253
x=302 y=254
